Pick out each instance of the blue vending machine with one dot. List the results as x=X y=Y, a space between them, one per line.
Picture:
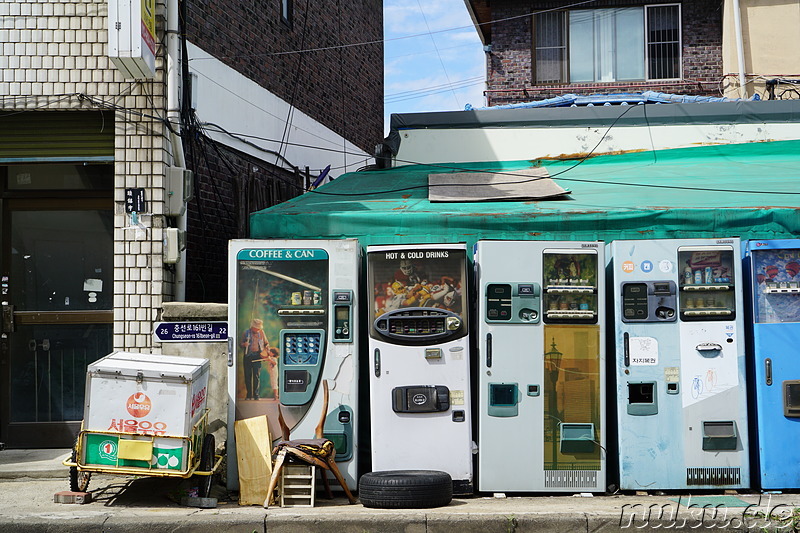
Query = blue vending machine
x=680 y=365
x=774 y=267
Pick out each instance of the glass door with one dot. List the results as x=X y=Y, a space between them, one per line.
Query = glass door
x=57 y=303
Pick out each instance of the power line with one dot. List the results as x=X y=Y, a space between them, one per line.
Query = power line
x=402 y=37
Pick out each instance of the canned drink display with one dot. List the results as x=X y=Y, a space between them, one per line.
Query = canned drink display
x=709 y=275
x=317 y=297
x=297 y=298
x=688 y=275
x=698 y=277
x=307 y=297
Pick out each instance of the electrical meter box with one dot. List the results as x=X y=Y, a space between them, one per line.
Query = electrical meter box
x=419 y=357
x=153 y=398
x=681 y=404
x=773 y=268
x=541 y=366
x=293 y=311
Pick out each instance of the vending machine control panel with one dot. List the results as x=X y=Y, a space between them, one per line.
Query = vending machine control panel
x=300 y=362
x=342 y=316
x=649 y=301
x=419 y=324
x=513 y=303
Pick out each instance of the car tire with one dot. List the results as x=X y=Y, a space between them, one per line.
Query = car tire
x=405 y=489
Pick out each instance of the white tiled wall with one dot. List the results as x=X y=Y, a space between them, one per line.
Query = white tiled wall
x=52 y=52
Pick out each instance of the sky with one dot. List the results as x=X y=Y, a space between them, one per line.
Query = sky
x=433 y=57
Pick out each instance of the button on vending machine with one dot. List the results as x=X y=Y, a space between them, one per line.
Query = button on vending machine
x=292 y=311
x=419 y=353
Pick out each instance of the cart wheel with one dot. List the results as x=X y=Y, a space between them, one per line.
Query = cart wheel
x=78 y=480
x=206 y=463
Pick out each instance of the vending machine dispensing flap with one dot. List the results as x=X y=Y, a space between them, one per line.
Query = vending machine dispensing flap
x=419 y=324
x=420 y=399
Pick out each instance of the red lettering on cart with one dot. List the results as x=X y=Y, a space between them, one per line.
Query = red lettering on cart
x=198 y=399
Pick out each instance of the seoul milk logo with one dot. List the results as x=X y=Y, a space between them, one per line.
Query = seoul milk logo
x=138 y=405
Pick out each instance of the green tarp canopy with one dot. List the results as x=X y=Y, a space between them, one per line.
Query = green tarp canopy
x=747 y=190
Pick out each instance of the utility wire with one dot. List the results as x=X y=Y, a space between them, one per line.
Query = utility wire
x=412 y=36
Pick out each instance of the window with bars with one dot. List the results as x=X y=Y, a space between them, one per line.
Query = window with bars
x=606 y=45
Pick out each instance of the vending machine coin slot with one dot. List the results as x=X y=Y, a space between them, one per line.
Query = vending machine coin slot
x=791 y=399
x=634 y=301
x=768 y=370
x=342 y=316
x=420 y=399
x=719 y=436
x=642 y=398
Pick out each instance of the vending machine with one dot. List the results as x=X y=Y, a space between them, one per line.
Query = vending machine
x=773 y=267
x=420 y=360
x=292 y=314
x=541 y=366
x=680 y=365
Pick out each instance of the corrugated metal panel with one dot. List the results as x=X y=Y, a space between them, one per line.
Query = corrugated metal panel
x=56 y=136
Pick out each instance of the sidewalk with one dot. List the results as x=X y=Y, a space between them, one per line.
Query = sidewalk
x=29 y=478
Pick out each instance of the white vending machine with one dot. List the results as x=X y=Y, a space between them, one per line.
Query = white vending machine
x=292 y=313
x=541 y=366
x=680 y=364
x=419 y=357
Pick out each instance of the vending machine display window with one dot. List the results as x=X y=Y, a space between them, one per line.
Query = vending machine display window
x=418 y=295
x=777 y=287
x=570 y=286
x=707 y=290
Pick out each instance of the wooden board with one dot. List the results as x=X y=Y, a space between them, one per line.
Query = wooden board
x=254 y=457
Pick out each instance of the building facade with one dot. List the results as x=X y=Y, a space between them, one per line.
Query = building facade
x=246 y=105
x=537 y=50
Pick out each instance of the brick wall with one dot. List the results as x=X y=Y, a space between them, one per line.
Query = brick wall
x=510 y=73
x=228 y=186
x=328 y=85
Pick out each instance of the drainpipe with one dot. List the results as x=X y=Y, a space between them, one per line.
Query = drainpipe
x=737 y=22
x=174 y=117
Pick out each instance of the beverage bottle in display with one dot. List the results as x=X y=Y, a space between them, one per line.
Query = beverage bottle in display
x=687 y=275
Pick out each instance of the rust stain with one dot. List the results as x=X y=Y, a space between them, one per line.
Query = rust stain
x=584 y=155
x=643 y=231
x=400 y=207
x=534 y=233
x=405 y=196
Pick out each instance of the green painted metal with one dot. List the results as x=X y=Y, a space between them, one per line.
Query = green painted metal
x=747 y=190
x=47 y=136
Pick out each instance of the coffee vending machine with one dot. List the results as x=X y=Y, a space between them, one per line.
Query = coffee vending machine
x=420 y=360
x=292 y=314
x=680 y=364
x=541 y=366
x=773 y=267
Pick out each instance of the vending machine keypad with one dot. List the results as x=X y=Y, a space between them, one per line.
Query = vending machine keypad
x=301 y=348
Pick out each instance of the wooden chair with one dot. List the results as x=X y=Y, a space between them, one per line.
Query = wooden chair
x=318 y=451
